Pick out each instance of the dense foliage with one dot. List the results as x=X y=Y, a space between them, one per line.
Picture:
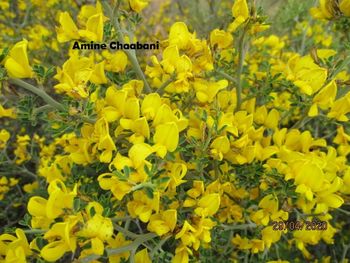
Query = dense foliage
x=228 y=144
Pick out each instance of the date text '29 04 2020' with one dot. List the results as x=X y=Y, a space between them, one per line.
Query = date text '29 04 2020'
x=299 y=225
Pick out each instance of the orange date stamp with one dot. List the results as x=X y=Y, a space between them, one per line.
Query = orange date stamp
x=297 y=225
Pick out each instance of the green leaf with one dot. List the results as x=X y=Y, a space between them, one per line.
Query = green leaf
x=163 y=180
x=92 y=211
x=76 y=204
x=149 y=192
x=4 y=53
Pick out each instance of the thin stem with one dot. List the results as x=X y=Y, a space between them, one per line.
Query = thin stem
x=125 y=232
x=114 y=251
x=42 y=109
x=137 y=242
x=117 y=219
x=42 y=94
x=26 y=171
x=226 y=76
x=301 y=122
x=159 y=245
x=238 y=227
x=142 y=185
x=132 y=256
x=131 y=55
x=34 y=231
x=303 y=41
x=160 y=90
x=345 y=251
x=344 y=211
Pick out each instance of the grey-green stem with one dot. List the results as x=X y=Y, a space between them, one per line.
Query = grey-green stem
x=41 y=93
x=131 y=55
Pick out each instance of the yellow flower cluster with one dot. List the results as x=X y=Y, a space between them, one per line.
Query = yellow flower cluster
x=207 y=149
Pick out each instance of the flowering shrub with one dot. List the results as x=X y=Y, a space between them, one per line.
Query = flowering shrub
x=229 y=143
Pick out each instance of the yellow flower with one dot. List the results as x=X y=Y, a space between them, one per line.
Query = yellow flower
x=163 y=222
x=142 y=256
x=176 y=173
x=220 y=38
x=105 y=141
x=61 y=240
x=74 y=75
x=257 y=245
x=115 y=100
x=182 y=254
x=15 y=247
x=21 y=149
x=240 y=12
x=208 y=205
x=98 y=75
x=115 y=62
x=87 y=11
x=4 y=137
x=181 y=65
x=17 y=64
x=269 y=205
x=94 y=28
x=142 y=206
x=309 y=178
x=31 y=187
x=109 y=181
x=242 y=243
x=188 y=236
x=59 y=199
x=179 y=35
x=133 y=88
x=118 y=241
x=344 y=6
x=206 y=91
x=340 y=108
x=306 y=74
x=220 y=146
x=67 y=30
x=270 y=236
x=138 y=154
x=10 y=113
x=138 y=5
x=150 y=105
x=97 y=228
x=324 y=99
x=203 y=227
x=165 y=115
x=326 y=10
x=166 y=138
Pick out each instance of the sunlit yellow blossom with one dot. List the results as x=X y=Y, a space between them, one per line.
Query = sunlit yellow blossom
x=138 y=5
x=166 y=138
x=142 y=206
x=10 y=112
x=240 y=12
x=21 y=150
x=74 y=75
x=67 y=30
x=163 y=223
x=326 y=10
x=220 y=38
x=97 y=228
x=60 y=239
x=94 y=28
x=115 y=62
x=4 y=137
x=344 y=6
x=142 y=256
x=17 y=63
